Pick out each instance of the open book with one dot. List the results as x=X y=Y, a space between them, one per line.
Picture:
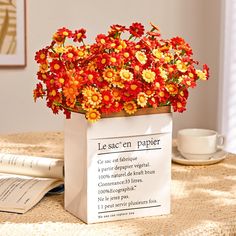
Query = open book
x=24 y=180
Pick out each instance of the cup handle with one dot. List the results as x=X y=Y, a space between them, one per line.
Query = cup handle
x=220 y=141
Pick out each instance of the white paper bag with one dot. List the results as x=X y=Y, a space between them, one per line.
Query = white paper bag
x=118 y=168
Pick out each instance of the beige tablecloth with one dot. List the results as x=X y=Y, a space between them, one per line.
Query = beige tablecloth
x=203 y=200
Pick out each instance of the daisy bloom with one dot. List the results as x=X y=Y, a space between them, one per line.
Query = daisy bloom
x=130 y=107
x=116 y=29
x=70 y=91
x=181 y=66
x=58 y=50
x=41 y=56
x=64 y=32
x=118 y=82
x=61 y=34
x=102 y=39
x=79 y=35
x=43 y=68
x=56 y=66
x=142 y=99
x=172 y=88
x=141 y=57
x=148 y=75
x=158 y=54
x=38 y=92
x=126 y=75
x=149 y=93
x=106 y=97
x=179 y=106
x=206 y=71
x=136 y=29
x=94 y=98
x=109 y=74
x=70 y=55
x=134 y=87
x=93 y=115
x=189 y=82
x=88 y=91
x=163 y=73
x=201 y=75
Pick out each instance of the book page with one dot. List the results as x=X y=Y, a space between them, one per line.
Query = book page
x=20 y=193
x=31 y=165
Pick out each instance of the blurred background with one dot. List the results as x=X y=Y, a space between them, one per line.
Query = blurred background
x=207 y=25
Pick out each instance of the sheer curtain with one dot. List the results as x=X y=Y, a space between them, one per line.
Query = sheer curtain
x=227 y=102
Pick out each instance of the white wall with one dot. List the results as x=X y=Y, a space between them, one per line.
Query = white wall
x=195 y=20
x=227 y=93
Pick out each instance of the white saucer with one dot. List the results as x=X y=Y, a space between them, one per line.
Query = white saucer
x=216 y=157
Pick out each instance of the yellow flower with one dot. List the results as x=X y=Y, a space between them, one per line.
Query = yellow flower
x=181 y=66
x=201 y=75
x=95 y=98
x=93 y=115
x=87 y=91
x=126 y=75
x=158 y=54
x=81 y=53
x=130 y=107
x=163 y=73
x=142 y=99
x=109 y=74
x=168 y=58
x=148 y=75
x=59 y=49
x=141 y=57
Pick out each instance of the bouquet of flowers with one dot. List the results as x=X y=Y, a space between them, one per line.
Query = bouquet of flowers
x=126 y=69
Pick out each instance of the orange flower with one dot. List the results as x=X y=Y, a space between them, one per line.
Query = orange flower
x=172 y=89
x=93 y=115
x=130 y=107
x=109 y=74
x=70 y=91
x=95 y=98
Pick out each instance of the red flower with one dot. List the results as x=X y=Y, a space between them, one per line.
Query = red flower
x=41 y=56
x=64 y=32
x=206 y=71
x=70 y=55
x=136 y=29
x=38 y=92
x=56 y=66
x=102 y=39
x=106 y=97
x=116 y=30
x=61 y=35
x=79 y=35
x=179 y=105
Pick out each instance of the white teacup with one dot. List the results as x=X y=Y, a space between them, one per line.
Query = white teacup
x=199 y=144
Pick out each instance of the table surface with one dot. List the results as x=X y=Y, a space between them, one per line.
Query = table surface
x=203 y=200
